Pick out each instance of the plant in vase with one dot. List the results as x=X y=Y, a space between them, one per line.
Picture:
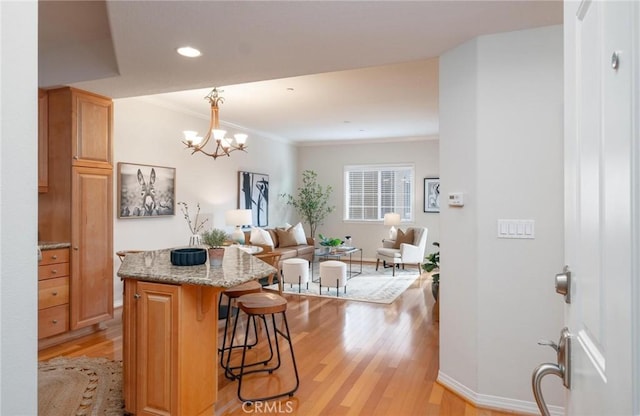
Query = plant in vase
x=215 y=238
x=329 y=243
x=433 y=264
x=194 y=226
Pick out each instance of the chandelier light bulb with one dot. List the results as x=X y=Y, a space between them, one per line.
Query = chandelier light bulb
x=241 y=139
x=191 y=137
x=218 y=134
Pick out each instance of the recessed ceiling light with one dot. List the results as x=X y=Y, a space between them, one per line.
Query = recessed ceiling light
x=189 y=52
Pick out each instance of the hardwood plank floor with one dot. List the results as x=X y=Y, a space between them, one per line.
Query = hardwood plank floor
x=354 y=358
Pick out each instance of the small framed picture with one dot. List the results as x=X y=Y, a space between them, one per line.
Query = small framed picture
x=145 y=191
x=431 y=194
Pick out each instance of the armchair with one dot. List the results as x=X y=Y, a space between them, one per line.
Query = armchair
x=405 y=252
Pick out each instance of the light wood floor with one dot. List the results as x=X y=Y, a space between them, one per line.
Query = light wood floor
x=354 y=358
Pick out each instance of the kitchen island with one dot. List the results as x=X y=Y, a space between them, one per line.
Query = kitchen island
x=170 y=327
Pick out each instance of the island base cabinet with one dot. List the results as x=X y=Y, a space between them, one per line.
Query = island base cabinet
x=170 y=348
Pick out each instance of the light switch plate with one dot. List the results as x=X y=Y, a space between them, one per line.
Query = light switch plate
x=516 y=229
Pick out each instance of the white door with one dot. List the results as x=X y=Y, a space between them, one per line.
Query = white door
x=601 y=217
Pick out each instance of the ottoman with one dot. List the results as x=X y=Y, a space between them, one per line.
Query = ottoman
x=333 y=273
x=295 y=271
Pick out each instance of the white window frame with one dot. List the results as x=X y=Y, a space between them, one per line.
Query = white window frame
x=406 y=211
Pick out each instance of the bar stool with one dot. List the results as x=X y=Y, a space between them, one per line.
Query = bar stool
x=122 y=253
x=234 y=293
x=262 y=305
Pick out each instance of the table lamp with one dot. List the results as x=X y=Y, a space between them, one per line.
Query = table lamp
x=392 y=219
x=238 y=217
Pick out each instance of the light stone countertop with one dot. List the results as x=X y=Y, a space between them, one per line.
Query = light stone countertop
x=52 y=245
x=155 y=266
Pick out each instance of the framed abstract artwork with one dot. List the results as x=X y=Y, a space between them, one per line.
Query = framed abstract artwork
x=253 y=194
x=145 y=191
x=431 y=194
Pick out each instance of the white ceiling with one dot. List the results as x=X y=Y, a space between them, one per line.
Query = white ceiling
x=358 y=69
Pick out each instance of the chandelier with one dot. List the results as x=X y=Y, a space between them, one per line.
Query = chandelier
x=223 y=145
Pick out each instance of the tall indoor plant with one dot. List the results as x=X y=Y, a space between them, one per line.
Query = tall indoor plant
x=312 y=201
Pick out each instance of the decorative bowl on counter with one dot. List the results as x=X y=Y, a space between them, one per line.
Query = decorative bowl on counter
x=188 y=256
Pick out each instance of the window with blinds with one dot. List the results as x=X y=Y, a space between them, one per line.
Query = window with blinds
x=370 y=191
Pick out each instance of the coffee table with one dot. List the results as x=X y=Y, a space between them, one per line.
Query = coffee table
x=338 y=253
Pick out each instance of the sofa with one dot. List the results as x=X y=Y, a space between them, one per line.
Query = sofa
x=288 y=242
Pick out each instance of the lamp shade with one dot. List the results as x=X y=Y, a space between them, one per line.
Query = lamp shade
x=391 y=218
x=239 y=217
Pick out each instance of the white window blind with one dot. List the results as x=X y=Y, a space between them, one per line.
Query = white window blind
x=370 y=191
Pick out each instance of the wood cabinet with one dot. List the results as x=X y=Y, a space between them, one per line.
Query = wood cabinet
x=86 y=121
x=53 y=293
x=78 y=206
x=43 y=141
x=169 y=348
x=92 y=246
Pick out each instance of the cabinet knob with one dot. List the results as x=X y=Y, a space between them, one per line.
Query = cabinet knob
x=55 y=321
x=54 y=257
x=75 y=157
x=54 y=271
x=136 y=296
x=76 y=248
x=54 y=294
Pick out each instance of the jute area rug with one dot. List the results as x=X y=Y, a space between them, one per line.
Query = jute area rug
x=370 y=286
x=80 y=386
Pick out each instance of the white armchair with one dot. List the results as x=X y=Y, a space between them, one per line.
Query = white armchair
x=404 y=253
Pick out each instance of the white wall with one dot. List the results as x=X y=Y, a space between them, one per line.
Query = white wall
x=501 y=143
x=459 y=240
x=18 y=207
x=328 y=162
x=146 y=133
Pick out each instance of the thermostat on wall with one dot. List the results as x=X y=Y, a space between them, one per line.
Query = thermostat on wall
x=456 y=199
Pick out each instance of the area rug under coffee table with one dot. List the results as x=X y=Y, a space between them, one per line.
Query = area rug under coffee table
x=80 y=386
x=370 y=286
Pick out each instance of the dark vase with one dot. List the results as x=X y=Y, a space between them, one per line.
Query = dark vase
x=435 y=287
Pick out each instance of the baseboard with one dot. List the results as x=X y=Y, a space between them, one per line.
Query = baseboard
x=493 y=402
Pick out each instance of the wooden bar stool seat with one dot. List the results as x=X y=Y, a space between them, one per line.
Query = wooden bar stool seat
x=233 y=293
x=265 y=305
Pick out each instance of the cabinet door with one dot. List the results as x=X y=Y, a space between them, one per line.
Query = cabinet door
x=92 y=246
x=91 y=130
x=157 y=325
x=43 y=141
x=129 y=345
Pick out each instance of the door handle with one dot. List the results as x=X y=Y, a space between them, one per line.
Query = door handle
x=562 y=369
x=563 y=284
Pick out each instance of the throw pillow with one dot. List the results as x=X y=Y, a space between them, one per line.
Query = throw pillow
x=260 y=237
x=404 y=237
x=286 y=238
x=298 y=232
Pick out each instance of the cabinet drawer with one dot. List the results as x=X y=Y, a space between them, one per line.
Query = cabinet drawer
x=53 y=271
x=53 y=321
x=60 y=255
x=53 y=292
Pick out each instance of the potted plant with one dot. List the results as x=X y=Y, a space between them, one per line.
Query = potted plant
x=329 y=243
x=215 y=238
x=312 y=201
x=433 y=264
